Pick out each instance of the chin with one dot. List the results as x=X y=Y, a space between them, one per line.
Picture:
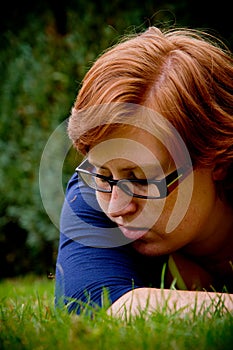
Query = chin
x=150 y=249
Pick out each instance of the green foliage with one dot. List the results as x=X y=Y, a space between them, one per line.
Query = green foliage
x=28 y=320
x=39 y=76
x=34 y=98
x=41 y=72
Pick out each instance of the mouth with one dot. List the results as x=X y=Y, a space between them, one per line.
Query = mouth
x=133 y=233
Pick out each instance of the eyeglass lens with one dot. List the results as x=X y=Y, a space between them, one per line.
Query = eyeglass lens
x=129 y=187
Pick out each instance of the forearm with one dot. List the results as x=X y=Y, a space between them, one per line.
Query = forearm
x=184 y=302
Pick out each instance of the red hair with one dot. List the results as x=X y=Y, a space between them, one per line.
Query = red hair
x=182 y=74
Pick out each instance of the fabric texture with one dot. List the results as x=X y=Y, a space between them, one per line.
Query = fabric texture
x=96 y=264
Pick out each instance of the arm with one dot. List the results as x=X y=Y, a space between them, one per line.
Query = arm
x=94 y=256
x=184 y=302
x=83 y=274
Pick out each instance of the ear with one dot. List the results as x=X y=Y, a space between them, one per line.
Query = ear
x=219 y=172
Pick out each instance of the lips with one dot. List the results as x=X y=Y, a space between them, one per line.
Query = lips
x=133 y=232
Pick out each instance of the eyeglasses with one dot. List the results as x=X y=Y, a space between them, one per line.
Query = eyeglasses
x=145 y=188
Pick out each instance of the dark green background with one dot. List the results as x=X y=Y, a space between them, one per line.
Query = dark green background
x=46 y=48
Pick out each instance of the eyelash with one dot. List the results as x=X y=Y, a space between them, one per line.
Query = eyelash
x=103 y=173
x=130 y=176
x=133 y=176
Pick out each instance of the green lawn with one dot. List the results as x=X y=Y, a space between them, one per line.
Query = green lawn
x=28 y=320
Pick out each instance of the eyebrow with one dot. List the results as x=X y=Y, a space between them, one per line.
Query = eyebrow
x=133 y=167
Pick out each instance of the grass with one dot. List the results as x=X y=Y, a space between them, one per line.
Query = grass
x=28 y=320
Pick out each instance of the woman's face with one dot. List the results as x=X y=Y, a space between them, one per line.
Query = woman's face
x=188 y=216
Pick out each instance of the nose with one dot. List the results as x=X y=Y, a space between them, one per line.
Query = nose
x=120 y=203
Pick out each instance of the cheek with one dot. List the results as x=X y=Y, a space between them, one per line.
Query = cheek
x=204 y=195
x=148 y=213
x=176 y=206
x=103 y=200
x=190 y=209
x=163 y=212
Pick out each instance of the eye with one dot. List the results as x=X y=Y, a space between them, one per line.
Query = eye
x=137 y=175
x=102 y=183
x=103 y=172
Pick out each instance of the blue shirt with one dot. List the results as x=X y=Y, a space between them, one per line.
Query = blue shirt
x=95 y=261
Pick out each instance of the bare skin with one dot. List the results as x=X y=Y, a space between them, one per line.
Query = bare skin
x=200 y=236
x=151 y=300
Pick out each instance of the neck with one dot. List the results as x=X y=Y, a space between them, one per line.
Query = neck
x=214 y=250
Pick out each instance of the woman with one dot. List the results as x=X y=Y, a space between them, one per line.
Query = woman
x=152 y=203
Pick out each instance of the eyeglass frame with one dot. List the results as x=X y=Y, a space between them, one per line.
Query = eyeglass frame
x=165 y=187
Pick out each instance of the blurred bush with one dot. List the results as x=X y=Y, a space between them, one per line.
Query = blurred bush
x=43 y=59
x=40 y=74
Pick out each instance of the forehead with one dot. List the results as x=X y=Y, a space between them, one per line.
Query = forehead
x=129 y=143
